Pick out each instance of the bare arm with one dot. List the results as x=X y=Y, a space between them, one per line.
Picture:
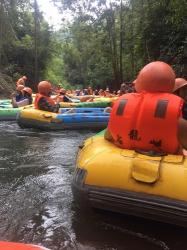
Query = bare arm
x=21 y=103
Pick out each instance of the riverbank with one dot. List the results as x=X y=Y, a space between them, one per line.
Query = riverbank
x=7 y=86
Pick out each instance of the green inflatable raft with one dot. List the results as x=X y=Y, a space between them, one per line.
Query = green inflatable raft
x=98 y=104
x=9 y=114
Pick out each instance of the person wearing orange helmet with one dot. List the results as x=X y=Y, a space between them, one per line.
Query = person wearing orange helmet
x=180 y=89
x=43 y=100
x=17 y=96
x=25 y=97
x=62 y=96
x=21 y=81
x=27 y=92
x=19 y=93
x=149 y=120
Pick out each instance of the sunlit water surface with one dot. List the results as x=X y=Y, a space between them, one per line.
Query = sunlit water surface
x=36 y=203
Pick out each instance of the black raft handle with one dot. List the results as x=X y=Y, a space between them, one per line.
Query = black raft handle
x=150 y=153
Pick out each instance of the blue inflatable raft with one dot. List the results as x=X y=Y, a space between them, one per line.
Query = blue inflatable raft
x=81 y=118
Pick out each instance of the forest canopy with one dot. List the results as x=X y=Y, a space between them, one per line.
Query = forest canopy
x=107 y=41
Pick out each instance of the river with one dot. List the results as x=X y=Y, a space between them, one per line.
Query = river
x=37 y=206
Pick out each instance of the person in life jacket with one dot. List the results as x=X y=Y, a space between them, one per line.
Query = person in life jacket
x=151 y=119
x=19 y=93
x=25 y=99
x=43 y=100
x=27 y=93
x=62 y=97
x=21 y=81
x=180 y=89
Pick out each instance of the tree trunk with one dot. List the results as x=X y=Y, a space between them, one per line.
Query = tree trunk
x=132 y=43
x=35 y=42
x=121 y=42
x=113 y=47
x=1 y=32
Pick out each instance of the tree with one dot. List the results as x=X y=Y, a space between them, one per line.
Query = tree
x=20 y=41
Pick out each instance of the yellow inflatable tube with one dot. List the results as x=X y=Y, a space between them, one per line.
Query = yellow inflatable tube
x=125 y=181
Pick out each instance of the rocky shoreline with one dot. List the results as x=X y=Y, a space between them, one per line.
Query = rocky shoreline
x=7 y=86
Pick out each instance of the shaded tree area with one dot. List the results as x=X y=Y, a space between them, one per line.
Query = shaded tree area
x=107 y=41
x=111 y=40
x=25 y=40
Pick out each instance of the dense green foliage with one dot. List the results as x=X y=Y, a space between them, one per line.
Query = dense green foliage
x=109 y=41
x=106 y=43
x=25 y=40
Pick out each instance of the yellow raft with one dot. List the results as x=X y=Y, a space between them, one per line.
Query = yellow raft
x=124 y=181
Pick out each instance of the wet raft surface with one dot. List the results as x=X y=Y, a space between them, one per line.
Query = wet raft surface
x=36 y=204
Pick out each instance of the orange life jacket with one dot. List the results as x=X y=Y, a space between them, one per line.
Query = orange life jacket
x=146 y=121
x=39 y=96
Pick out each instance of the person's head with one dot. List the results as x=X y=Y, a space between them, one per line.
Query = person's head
x=85 y=91
x=62 y=91
x=45 y=88
x=24 y=78
x=19 y=88
x=101 y=92
x=96 y=92
x=123 y=89
x=180 y=88
x=27 y=91
x=107 y=92
x=90 y=90
x=77 y=92
x=156 y=77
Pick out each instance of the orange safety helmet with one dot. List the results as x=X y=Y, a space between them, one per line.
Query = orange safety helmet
x=179 y=83
x=28 y=90
x=20 y=87
x=155 y=77
x=44 y=87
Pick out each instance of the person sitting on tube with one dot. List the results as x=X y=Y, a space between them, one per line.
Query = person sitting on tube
x=24 y=99
x=43 y=100
x=21 y=81
x=19 y=93
x=180 y=89
x=62 y=96
x=151 y=119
